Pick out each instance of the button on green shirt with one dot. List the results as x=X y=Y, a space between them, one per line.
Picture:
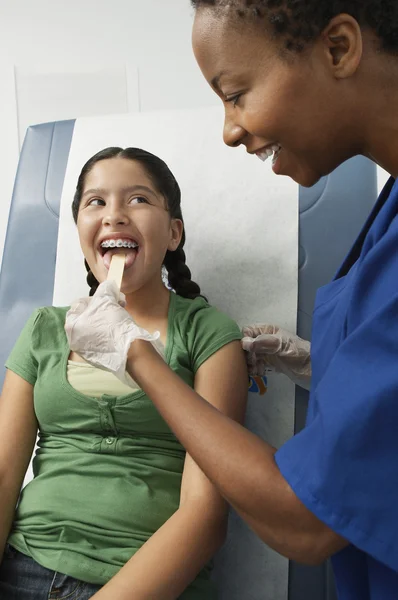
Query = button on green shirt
x=107 y=471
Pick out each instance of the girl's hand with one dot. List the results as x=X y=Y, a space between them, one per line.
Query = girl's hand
x=269 y=347
x=101 y=331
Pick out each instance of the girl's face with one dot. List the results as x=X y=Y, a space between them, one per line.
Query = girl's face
x=121 y=205
x=292 y=102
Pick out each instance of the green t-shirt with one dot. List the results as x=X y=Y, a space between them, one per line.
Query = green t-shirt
x=107 y=471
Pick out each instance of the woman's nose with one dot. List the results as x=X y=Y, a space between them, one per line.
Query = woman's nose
x=233 y=133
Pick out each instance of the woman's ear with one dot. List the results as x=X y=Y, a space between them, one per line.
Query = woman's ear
x=176 y=231
x=343 y=44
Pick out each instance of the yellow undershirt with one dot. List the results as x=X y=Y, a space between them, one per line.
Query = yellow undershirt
x=90 y=381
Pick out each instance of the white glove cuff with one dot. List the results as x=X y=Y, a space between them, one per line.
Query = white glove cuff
x=133 y=333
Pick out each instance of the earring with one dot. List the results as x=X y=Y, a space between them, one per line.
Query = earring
x=165 y=278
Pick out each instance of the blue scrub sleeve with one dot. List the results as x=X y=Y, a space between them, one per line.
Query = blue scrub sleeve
x=344 y=465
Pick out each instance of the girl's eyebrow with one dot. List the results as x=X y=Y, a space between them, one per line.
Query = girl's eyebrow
x=125 y=190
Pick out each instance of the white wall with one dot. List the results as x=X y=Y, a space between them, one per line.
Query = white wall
x=68 y=58
x=382 y=178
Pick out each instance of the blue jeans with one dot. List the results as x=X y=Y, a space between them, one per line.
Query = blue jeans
x=21 y=578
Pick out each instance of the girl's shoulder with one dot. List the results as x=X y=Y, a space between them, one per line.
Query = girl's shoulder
x=46 y=322
x=50 y=316
x=42 y=333
x=202 y=329
x=198 y=314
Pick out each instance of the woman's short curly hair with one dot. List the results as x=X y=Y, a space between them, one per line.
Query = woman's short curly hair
x=299 y=22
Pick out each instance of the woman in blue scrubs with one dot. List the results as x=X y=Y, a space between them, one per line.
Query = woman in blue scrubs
x=313 y=83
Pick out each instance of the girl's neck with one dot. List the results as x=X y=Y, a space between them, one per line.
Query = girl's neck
x=149 y=304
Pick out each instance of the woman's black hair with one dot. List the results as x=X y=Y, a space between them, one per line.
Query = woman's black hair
x=300 y=22
x=179 y=275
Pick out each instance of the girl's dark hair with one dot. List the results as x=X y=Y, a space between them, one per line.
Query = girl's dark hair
x=179 y=275
x=300 y=22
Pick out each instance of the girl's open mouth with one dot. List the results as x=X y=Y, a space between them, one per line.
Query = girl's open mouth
x=127 y=246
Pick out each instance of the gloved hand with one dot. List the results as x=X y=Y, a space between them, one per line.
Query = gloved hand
x=271 y=348
x=101 y=331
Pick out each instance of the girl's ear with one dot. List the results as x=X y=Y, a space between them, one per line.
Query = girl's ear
x=176 y=230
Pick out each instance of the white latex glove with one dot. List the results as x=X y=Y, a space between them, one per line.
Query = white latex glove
x=101 y=331
x=271 y=348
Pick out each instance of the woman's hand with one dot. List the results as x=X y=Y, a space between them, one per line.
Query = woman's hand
x=101 y=331
x=269 y=347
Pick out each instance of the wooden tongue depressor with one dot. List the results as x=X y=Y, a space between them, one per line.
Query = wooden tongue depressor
x=116 y=269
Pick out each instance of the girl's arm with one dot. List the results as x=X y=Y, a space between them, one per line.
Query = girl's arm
x=18 y=431
x=168 y=562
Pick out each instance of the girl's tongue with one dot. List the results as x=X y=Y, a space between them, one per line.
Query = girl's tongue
x=131 y=255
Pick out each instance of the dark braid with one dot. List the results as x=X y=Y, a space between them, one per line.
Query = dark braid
x=179 y=275
x=91 y=280
x=300 y=22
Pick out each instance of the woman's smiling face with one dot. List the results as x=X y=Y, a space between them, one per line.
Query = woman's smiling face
x=120 y=205
x=274 y=99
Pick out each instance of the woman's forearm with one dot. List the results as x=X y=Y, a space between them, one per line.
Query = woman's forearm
x=167 y=563
x=245 y=462
x=241 y=465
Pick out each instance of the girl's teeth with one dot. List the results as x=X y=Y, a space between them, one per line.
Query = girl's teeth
x=120 y=243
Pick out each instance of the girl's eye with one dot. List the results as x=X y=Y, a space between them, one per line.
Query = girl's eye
x=96 y=202
x=138 y=200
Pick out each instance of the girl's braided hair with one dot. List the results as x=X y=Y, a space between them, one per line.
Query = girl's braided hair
x=179 y=275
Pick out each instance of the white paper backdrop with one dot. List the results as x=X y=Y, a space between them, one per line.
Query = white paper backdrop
x=46 y=94
x=242 y=245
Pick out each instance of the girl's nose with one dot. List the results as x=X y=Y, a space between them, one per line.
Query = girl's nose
x=116 y=216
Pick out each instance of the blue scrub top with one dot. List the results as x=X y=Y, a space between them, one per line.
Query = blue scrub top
x=344 y=465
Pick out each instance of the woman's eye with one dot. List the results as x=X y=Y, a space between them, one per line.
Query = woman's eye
x=138 y=200
x=233 y=99
x=96 y=202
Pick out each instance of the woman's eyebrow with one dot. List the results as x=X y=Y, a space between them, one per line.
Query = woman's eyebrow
x=215 y=82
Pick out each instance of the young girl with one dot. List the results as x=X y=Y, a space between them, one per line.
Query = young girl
x=113 y=489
